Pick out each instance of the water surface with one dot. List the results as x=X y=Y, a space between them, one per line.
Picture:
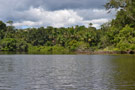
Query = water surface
x=67 y=72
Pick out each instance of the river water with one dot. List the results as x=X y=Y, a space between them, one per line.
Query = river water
x=67 y=72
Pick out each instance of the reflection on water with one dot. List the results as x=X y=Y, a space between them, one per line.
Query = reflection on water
x=67 y=72
x=125 y=69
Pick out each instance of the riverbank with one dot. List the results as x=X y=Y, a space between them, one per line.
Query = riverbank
x=87 y=52
x=105 y=52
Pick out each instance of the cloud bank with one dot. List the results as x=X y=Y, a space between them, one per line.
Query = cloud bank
x=57 y=13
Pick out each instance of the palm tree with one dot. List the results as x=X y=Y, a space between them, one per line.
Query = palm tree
x=90 y=24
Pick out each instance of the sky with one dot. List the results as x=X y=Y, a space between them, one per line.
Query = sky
x=56 y=13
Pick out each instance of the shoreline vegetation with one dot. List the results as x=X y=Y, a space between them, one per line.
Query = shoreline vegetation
x=74 y=53
x=114 y=37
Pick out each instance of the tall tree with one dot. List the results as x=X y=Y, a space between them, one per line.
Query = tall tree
x=2 y=29
x=9 y=28
x=126 y=5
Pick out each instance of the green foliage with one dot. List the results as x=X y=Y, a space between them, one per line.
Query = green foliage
x=2 y=25
x=72 y=45
x=126 y=15
x=126 y=38
x=59 y=50
x=11 y=44
x=33 y=49
x=21 y=46
x=2 y=29
x=48 y=49
x=124 y=46
x=8 y=44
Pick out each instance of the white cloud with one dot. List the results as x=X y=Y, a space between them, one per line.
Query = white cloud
x=95 y=13
x=59 y=18
x=96 y=22
x=27 y=23
x=36 y=17
x=99 y=21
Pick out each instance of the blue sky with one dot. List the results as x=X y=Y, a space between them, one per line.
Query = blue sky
x=57 y=13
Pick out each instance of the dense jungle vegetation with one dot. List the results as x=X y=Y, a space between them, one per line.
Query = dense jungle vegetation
x=116 y=35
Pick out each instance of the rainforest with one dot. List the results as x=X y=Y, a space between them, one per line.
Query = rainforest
x=117 y=35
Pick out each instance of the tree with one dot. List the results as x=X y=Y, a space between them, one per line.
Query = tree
x=126 y=5
x=90 y=24
x=2 y=29
x=2 y=25
x=10 y=29
x=8 y=44
x=10 y=23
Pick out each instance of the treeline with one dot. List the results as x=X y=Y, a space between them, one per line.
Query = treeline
x=52 y=40
x=116 y=35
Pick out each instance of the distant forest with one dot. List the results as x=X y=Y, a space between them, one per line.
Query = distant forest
x=116 y=35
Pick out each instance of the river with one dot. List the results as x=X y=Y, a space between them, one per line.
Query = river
x=67 y=72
